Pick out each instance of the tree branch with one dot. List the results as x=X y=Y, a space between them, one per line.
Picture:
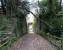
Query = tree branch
x=38 y=18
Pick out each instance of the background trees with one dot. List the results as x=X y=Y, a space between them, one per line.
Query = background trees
x=50 y=18
x=50 y=10
x=13 y=24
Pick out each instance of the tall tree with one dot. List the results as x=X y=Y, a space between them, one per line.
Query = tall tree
x=3 y=6
x=60 y=5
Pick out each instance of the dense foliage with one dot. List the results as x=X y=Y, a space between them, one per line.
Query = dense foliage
x=52 y=15
x=51 y=20
x=13 y=22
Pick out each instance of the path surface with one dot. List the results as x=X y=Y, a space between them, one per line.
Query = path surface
x=32 y=42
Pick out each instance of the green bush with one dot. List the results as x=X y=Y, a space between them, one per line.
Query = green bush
x=57 y=26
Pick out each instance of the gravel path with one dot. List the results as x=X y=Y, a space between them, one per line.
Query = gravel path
x=32 y=42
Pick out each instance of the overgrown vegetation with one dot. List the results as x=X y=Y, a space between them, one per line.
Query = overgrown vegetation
x=52 y=17
x=12 y=22
x=49 y=22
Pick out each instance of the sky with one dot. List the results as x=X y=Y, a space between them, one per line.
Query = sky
x=0 y=3
x=62 y=3
x=33 y=8
x=30 y=17
x=32 y=1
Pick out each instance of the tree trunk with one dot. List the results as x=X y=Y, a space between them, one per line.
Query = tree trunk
x=60 y=4
x=3 y=6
